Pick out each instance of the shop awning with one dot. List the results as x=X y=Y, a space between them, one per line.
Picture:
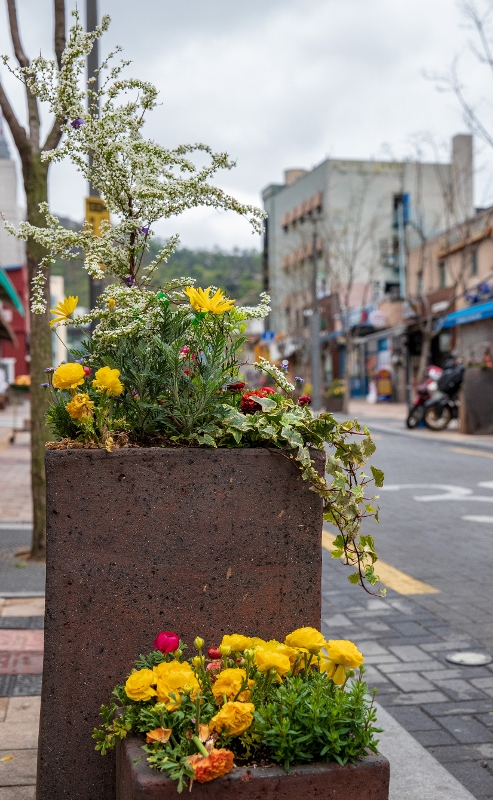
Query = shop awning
x=472 y=314
x=8 y=293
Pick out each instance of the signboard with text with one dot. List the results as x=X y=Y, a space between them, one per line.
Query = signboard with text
x=96 y=212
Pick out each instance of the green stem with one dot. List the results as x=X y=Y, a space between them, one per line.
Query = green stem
x=200 y=746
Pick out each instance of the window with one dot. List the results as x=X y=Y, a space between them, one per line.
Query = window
x=442 y=274
x=474 y=262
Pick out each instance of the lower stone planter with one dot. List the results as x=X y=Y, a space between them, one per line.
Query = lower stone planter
x=333 y=404
x=366 y=780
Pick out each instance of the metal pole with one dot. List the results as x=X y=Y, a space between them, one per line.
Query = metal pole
x=95 y=286
x=315 y=331
x=402 y=251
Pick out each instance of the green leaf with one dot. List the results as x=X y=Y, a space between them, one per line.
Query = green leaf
x=378 y=476
x=354 y=578
x=266 y=403
x=206 y=439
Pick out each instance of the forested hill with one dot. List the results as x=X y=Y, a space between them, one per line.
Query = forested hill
x=237 y=273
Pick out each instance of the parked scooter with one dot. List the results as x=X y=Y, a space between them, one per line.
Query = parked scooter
x=444 y=403
x=424 y=392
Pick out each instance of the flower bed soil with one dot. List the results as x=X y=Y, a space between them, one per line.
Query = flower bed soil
x=365 y=780
x=148 y=539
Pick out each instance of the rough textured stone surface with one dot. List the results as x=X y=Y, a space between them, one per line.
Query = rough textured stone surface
x=367 y=780
x=477 y=394
x=143 y=540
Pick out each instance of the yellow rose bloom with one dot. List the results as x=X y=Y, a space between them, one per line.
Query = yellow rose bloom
x=175 y=678
x=237 y=642
x=341 y=655
x=272 y=659
x=201 y=300
x=139 y=685
x=278 y=647
x=307 y=639
x=107 y=381
x=233 y=718
x=63 y=309
x=68 y=376
x=228 y=683
x=80 y=407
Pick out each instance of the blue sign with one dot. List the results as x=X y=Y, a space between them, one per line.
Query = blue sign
x=268 y=336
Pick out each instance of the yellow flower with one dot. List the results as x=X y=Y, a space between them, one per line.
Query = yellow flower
x=237 y=642
x=63 y=309
x=107 y=381
x=228 y=683
x=80 y=407
x=233 y=718
x=111 y=303
x=201 y=300
x=139 y=685
x=341 y=655
x=68 y=376
x=278 y=647
x=175 y=678
x=308 y=639
x=160 y=735
x=271 y=659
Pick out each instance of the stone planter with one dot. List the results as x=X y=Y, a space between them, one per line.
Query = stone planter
x=476 y=415
x=193 y=540
x=333 y=404
x=366 y=780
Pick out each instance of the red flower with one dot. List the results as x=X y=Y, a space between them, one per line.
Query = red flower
x=236 y=387
x=166 y=642
x=87 y=370
x=214 y=652
x=249 y=406
x=305 y=400
x=214 y=667
x=217 y=763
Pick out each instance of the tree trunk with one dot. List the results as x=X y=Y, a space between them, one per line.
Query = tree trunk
x=36 y=188
x=347 y=377
x=423 y=359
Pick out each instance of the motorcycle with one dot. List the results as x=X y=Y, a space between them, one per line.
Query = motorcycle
x=444 y=403
x=424 y=392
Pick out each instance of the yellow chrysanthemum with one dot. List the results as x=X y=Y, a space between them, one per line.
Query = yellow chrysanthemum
x=68 y=376
x=80 y=406
x=64 y=309
x=341 y=655
x=201 y=300
x=107 y=381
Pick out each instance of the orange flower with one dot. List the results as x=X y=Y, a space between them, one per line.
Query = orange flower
x=158 y=735
x=217 y=763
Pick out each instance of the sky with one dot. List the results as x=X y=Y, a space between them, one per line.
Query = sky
x=279 y=84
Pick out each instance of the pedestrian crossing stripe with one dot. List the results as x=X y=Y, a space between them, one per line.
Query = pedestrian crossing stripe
x=390 y=576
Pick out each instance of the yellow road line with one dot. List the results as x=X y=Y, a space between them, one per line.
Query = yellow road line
x=390 y=576
x=468 y=452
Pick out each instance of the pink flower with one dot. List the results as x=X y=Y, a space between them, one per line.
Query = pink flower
x=87 y=370
x=166 y=642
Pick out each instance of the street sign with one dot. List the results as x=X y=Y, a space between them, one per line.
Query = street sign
x=268 y=336
x=96 y=212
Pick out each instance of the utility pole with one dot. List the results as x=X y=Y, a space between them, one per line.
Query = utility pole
x=315 y=329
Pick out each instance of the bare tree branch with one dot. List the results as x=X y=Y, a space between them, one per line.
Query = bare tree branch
x=18 y=133
x=53 y=137
x=32 y=103
x=59 y=30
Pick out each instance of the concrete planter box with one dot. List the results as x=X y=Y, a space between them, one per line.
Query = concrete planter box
x=366 y=780
x=142 y=540
x=477 y=401
x=333 y=404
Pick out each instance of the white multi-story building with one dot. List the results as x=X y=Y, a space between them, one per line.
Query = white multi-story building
x=361 y=218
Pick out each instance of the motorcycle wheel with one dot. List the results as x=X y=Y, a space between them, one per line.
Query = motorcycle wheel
x=440 y=422
x=415 y=416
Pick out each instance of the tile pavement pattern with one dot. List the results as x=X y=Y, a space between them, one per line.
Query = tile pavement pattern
x=447 y=708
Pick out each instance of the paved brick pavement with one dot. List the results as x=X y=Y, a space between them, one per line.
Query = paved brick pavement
x=448 y=709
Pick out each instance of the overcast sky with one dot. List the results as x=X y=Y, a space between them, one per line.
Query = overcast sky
x=278 y=84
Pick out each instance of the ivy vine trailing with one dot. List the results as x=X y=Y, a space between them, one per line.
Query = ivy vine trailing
x=163 y=365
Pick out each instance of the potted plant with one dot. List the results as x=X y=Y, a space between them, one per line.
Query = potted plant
x=174 y=492
x=334 y=396
x=272 y=715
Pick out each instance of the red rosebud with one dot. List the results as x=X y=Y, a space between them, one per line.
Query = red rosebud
x=214 y=652
x=238 y=386
x=305 y=400
x=166 y=642
x=87 y=370
x=249 y=406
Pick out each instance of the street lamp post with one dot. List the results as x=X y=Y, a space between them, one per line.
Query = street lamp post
x=315 y=330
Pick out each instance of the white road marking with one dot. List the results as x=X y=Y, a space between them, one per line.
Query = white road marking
x=479 y=519
x=449 y=492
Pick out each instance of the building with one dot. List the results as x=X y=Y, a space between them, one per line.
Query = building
x=14 y=350
x=352 y=222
